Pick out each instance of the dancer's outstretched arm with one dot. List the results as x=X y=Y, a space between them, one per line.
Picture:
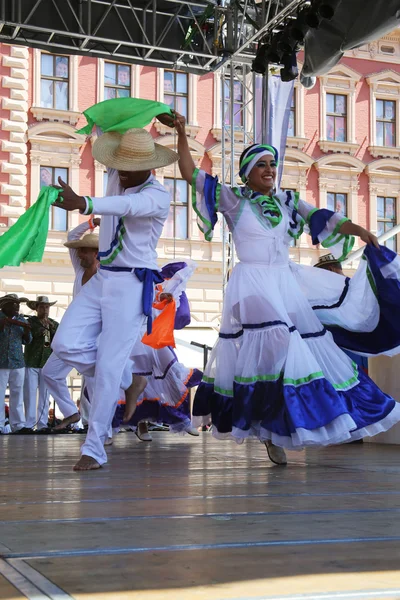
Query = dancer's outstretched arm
x=349 y=228
x=186 y=163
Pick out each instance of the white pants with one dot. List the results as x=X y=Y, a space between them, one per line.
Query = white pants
x=34 y=380
x=15 y=379
x=55 y=373
x=96 y=336
x=84 y=409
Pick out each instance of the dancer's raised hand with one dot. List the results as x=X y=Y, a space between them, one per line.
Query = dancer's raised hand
x=68 y=200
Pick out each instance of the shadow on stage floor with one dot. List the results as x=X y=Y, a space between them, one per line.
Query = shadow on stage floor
x=194 y=518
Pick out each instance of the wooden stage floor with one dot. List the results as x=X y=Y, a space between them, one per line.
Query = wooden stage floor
x=196 y=519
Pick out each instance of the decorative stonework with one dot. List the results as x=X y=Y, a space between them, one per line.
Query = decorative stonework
x=16 y=125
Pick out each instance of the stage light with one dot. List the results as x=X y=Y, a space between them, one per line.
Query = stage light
x=290 y=70
x=326 y=8
x=286 y=43
x=260 y=62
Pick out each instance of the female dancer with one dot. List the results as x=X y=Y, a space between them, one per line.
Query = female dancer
x=276 y=372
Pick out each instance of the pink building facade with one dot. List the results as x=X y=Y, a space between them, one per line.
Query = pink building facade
x=343 y=153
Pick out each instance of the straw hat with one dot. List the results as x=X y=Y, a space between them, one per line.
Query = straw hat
x=11 y=298
x=88 y=241
x=33 y=304
x=134 y=150
x=326 y=260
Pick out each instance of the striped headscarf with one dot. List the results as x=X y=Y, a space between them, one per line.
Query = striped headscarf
x=252 y=156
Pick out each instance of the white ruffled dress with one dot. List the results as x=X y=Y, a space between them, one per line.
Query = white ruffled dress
x=276 y=372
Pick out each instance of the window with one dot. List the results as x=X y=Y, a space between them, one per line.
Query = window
x=386 y=217
x=292 y=116
x=117 y=81
x=386 y=123
x=54 y=82
x=237 y=103
x=58 y=216
x=337 y=202
x=336 y=117
x=176 y=226
x=176 y=91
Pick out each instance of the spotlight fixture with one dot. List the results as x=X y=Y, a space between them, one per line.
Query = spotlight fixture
x=286 y=43
x=290 y=70
x=260 y=62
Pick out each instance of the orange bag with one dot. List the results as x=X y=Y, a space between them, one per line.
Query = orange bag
x=162 y=334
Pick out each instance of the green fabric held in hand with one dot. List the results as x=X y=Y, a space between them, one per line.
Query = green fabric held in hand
x=26 y=239
x=121 y=114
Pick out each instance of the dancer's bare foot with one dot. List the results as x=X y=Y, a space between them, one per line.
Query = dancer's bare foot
x=131 y=396
x=67 y=421
x=86 y=463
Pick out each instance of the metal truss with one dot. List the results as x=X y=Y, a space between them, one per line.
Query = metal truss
x=196 y=36
x=238 y=123
x=191 y=35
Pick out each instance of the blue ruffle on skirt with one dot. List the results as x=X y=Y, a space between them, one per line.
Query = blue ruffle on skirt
x=284 y=409
x=155 y=412
x=386 y=336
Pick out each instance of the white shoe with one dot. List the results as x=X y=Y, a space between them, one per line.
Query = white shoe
x=144 y=437
x=192 y=431
x=276 y=454
x=108 y=442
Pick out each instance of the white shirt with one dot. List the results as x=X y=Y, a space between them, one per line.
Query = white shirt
x=76 y=234
x=132 y=222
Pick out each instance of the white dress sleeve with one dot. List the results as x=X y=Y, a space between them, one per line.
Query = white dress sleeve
x=210 y=197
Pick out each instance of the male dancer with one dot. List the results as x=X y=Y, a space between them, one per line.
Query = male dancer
x=83 y=254
x=102 y=324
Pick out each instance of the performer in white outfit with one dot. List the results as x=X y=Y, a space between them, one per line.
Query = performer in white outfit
x=83 y=254
x=101 y=326
x=36 y=394
x=276 y=372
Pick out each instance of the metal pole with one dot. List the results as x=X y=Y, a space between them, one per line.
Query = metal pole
x=231 y=253
x=264 y=108
x=223 y=224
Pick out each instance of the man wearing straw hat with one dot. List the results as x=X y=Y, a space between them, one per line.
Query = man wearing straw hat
x=14 y=332
x=36 y=354
x=103 y=323
x=83 y=254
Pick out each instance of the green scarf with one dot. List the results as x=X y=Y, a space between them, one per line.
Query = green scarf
x=26 y=239
x=121 y=114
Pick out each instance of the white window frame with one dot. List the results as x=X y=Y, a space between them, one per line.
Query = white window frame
x=48 y=143
x=71 y=115
x=384 y=180
x=341 y=80
x=384 y=86
x=135 y=78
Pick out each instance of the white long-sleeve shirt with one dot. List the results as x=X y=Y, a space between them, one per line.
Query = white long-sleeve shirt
x=76 y=234
x=132 y=222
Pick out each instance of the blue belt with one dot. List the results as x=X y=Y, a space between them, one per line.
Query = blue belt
x=149 y=278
